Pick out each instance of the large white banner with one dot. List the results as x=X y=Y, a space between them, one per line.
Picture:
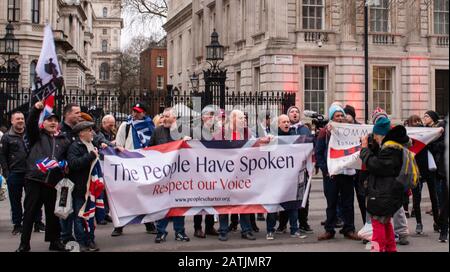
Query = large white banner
x=185 y=178
x=345 y=144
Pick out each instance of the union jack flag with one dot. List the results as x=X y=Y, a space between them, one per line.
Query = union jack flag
x=93 y=202
x=47 y=164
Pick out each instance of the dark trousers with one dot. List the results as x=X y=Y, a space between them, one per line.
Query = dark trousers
x=209 y=222
x=36 y=195
x=360 y=196
x=340 y=185
x=443 y=216
x=303 y=215
x=16 y=184
x=417 y=198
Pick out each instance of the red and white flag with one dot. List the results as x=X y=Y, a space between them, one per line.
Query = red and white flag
x=345 y=144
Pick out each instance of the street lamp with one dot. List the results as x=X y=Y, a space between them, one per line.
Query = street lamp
x=214 y=51
x=195 y=82
x=9 y=45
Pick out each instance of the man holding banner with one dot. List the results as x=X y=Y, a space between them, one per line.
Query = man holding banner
x=339 y=183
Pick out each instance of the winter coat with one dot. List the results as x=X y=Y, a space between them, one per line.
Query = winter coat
x=385 y=194
x=13 y=154
x=437 y=148
x=160 y=136
x=80 y=162
x=43 y=145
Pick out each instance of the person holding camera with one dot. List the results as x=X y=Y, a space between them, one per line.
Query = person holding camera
x=336 y=185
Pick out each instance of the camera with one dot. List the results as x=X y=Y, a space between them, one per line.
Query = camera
x=318 y=120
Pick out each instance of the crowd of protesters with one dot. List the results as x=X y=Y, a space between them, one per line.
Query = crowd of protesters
x=74 y=145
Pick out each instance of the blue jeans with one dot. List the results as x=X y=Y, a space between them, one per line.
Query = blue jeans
x=67 y=228
x=293 y=221
x=340 y=185
x=244 y=221
x=178 y=225
x=16 y=184
x=83 y=237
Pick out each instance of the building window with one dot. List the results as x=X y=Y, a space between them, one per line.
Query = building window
x=13 y=10
x=243 y=18
x=105 y=12
x=441 y=12
x=315 y=88
x=160 y=83
x=379 y=17
x=104 y=46
x=312 y=14
x=160 y=62
x=104 y=71
x=105 y=31
x=382 y=88
x=33 y=73
x=35 y=12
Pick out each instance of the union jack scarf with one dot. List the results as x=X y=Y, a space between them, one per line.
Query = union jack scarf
x=95 y=188
x=47 y=164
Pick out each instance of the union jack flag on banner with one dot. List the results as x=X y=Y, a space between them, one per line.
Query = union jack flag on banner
x=94 y=202
x=49 y=77
x=201 y=177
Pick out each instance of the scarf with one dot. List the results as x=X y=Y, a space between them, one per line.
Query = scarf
x=142 y=131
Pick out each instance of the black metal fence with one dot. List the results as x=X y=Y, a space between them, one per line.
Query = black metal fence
x=186 y=104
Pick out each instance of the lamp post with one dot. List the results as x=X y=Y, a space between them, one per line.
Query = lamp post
x=195 y=82
x=215 y=77
x=366 y=62
x=9 y=48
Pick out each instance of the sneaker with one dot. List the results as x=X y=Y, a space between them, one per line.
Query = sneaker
x=117 y=232
x=17 y=229
x=443 y=237
x=182 y=237
x=298 y=235
x=248 y=236
x=93 y=247
x=306 y=229
x=270 y=236
x=419 y=229
x=39 y=227
x=57 y=246
x=281 y=230
x=403 y=240
x=160 y=238
x=223 y=237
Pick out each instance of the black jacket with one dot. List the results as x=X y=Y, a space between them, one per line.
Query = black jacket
x=160 y=136
x=13 y=154
x=67 y=131
x=80 y=161
x=437 y=148
x=385 y=194
x=43 y=145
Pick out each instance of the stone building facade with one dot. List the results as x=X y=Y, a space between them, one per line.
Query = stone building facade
x=80 y=28
x=316 y=49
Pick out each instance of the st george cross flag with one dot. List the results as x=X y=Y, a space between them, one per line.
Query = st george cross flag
x=345 y=144
x=48 y=70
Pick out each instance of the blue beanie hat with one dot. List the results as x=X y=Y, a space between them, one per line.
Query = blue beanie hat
x=333 y=109
x=382 y=126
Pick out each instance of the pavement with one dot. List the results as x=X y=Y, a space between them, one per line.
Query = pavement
x=136 y=240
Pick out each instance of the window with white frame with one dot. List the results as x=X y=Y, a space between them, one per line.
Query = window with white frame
x=441 y=13
x=382 y=88
x=160 y=62
x=13 y=10
x=104 y=46
x=105 y=12
x=379 y=17
x=105 y=31
x=313 y=14
x=315 y=88
x=160 y=82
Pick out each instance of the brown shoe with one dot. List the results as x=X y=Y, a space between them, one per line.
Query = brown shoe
x=326 y=236
x=352 y=236
x=199 y=234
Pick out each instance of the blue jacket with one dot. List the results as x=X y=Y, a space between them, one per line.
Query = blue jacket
x=321 y=150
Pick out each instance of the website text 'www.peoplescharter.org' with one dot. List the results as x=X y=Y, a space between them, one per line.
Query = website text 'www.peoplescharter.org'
x=202 y=199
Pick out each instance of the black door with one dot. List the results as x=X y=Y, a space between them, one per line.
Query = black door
x=442 y=91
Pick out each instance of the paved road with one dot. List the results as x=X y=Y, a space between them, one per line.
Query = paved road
x=136 y=240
